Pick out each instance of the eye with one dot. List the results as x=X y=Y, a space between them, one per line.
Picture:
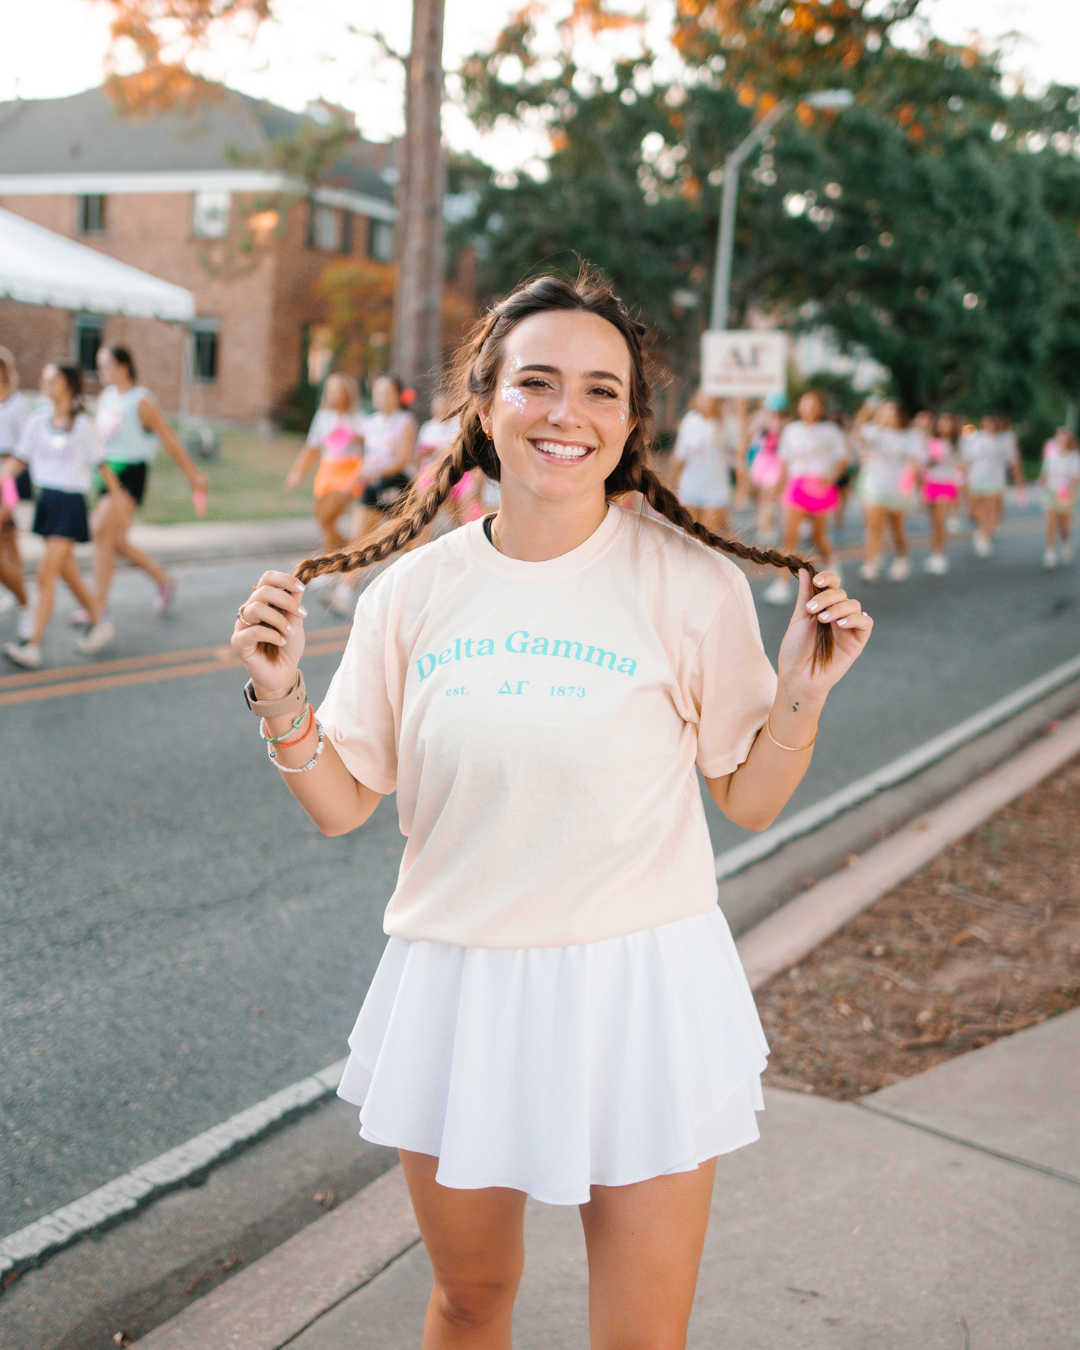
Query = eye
x=604 y=391
x=535 y=382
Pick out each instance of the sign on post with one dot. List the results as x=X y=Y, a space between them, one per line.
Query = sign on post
x=751 y=363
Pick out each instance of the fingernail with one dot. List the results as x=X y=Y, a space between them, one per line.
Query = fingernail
x=841 y=623
x=300 y=586
x=288 y=628
x=812 y=606
x=302 y=612
x=824 y=616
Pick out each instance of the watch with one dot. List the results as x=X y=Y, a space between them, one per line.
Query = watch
x=290 y=705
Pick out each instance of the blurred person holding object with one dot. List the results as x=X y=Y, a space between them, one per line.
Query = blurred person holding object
x=703 y=452
x=764 y=469
x=1059 y=479
x=560 y=1010
x=943 y=479
x=14 y=412
x=61 y=448
x=813 y=454
x=990 y=455
x=336 y=443
x=131 y=427
x=890 y=460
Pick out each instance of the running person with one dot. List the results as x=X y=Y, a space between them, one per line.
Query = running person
x=813 y=455
x=14 y=412
x=943 y=478
x=131 y=426
x=335 y=442
x=890 y=459
x=60 y=446
x=704 y=455
x=989 y=455
x=560 y=1010
x=1060 y=480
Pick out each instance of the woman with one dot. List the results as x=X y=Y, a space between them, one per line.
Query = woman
x=990 y=454
x=1059 y=479
x=813 y=456
x=560 y=1010
x=704 y=457
x=765 y=470
x=14 y=412
x=131 y=426
x=943 y=478
x=60 y=447
x=890 y=461
x=334 y=440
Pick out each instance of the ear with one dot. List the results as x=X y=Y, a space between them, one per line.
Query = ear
x=485 y=420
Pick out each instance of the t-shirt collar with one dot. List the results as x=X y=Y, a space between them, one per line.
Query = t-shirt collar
x=552 y=569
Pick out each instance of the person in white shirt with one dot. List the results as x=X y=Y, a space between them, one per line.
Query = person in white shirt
x=990 y=454
x=890 y=459
x=560 y=1010
x=1060 y=480
x=943 y=481
x=432 y=439
x=14 y=411
x=336 y=443
x=61 y=448
x=813 y=454
x=704 y=454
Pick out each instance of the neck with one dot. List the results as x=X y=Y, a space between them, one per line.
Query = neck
x=532 y=529
x=61 y=414
x=124 y=384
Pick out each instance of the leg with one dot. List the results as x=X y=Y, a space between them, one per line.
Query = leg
x=327 y=510
x=1051 y=528
x=142 y=560
x=70 y=571
x=644 y=1244
x=875 y=534
x=1064 y=520
x=938 y=511
x=819 y=533
x=108 y=526
x=476 y=1244
x=56 y=551
x=793 y=518
x=899 y=534
x=11 y=569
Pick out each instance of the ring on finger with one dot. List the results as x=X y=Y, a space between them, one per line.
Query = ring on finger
x=240 y=616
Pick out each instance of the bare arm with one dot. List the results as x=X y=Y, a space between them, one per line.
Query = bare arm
x=331 y=796
x=759 y=789
x=112 y=483
x=302 y=465
x=152 y=420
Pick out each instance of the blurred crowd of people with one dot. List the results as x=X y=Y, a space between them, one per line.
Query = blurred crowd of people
x=799 y=472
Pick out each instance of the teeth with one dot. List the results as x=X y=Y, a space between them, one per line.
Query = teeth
x=562 y=451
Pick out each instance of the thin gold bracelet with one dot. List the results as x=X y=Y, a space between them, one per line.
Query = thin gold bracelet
x=795 y=749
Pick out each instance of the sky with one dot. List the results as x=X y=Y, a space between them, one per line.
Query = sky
x=57 y=47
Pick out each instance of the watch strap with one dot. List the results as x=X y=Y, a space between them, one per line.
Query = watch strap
x=290 y=705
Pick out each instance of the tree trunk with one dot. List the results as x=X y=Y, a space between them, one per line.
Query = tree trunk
x=417 y=335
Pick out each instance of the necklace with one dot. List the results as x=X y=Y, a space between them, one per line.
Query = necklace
x=495 y=535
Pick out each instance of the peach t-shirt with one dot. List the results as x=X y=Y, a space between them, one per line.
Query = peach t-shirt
x=541 y=722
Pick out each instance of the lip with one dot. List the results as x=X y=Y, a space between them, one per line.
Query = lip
x=562 y=461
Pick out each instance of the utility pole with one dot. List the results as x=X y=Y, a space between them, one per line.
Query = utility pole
x=421 y=253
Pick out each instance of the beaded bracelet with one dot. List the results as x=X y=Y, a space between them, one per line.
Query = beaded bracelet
x=304 y=768
x=276 y=740
x=287 y=745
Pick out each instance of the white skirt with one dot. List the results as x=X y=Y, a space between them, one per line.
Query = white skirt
x=550 y=1069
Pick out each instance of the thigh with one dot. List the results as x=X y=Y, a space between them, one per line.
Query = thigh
x=792 y=520
x=57 y=552
x=330 y=505
x=644 y=1243
x=819 y=532
x=113 y=514
x=474 y=1238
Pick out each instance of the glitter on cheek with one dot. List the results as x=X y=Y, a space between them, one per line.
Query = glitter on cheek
x=622 y=412
x=513 y=395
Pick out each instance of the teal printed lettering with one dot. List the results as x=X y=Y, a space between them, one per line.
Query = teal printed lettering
x=563 y=643
x=539 y=647
x=626 y=666
x=505 y=687
x=521 y=684
x=457 y=649
x=601 y=656
x=445 y=656
x=520 y=634
x=486 y=648
x=521 y=643
x=420 y=665
x=468 y=646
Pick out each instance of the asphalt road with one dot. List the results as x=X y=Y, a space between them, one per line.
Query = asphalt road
x=176 y=940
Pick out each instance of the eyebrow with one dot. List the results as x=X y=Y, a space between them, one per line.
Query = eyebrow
x=554 y=370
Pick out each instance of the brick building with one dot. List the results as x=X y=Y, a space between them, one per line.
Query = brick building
x=191 y=197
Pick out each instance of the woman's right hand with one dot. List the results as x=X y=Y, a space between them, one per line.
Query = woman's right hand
x=274 y=614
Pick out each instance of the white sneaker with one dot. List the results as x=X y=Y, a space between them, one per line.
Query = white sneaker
x=937 y=564
x=1050 y=558
x=341 y=602
x=870 y=571
x=99 y=636
x=79 y=618
x=25 y=624
x=900 y=569
x=26 y=654
x=778 y=592
x=982 y=546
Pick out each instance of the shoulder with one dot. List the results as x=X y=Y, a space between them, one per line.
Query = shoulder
x=412 y=578
x=666 y=554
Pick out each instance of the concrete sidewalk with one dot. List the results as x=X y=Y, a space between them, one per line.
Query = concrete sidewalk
x=943 y=1211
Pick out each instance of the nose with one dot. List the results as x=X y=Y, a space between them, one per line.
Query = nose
x=567 y=410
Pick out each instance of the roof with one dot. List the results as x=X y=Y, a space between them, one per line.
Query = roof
x=39 y=267
x=82 y=137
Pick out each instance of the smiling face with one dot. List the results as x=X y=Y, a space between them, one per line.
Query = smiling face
x=560 y=416
x=385 y=395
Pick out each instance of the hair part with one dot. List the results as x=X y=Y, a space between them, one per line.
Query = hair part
x=473 y=388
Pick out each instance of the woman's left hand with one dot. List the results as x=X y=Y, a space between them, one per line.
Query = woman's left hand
x=821 y=601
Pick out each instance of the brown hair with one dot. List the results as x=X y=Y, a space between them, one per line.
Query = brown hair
x=474 y=388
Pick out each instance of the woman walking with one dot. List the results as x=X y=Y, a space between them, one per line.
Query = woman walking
x=560 y=1010
x=60 y=447
x=132 y=428
x=334 y=441
x=989 y=455
x=813 y=455
x=1060 y=481
x=704 y=457
x=943 y=478
x=14 y=412
x=888 y=478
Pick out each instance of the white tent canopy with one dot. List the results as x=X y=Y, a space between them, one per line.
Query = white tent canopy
x=40 y=267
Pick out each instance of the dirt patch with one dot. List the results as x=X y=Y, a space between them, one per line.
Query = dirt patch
x=983 y=941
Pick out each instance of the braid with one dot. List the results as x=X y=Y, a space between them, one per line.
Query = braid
x=664 y=501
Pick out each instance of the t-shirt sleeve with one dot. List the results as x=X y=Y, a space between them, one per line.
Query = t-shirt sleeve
x=318 y=428
x=24 y=449
x=358 y=711
x=733 y=684
x=785 y=446
x=682 y=441
x=91 y=444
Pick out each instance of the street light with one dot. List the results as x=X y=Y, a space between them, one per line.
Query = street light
x=824 y=98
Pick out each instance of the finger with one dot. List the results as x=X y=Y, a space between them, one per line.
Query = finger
x=285 y=580
x=245 y=640
x=857 y=623
x=804 y=590
x=824 y=580
x=826 y=599
x=281 y=599
x=255 y=612
x=842 y=609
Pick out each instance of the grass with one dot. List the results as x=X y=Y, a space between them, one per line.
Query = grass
x=245 y=482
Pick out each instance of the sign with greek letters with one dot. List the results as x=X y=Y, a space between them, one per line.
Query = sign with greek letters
x=751 y=363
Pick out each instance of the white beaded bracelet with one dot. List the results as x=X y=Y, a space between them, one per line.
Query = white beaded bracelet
x=304 y=768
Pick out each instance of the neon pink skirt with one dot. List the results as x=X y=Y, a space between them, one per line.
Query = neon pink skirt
x=812 y=495
x=939 y=492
